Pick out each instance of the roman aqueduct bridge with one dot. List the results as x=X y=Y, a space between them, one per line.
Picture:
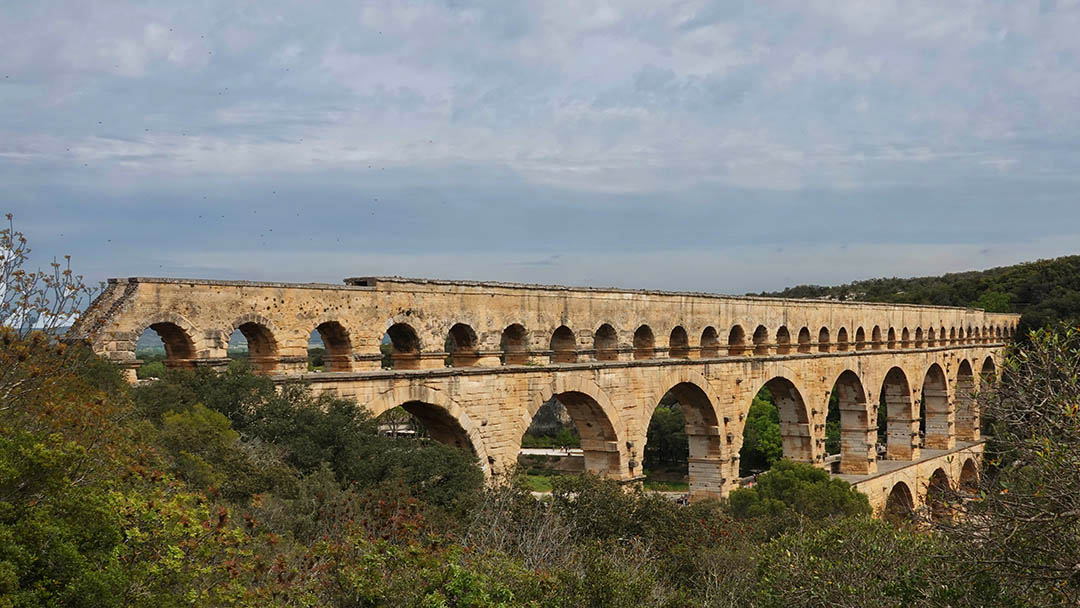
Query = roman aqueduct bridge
x=474 y=361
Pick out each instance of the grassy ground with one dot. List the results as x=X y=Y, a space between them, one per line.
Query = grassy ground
x=539 y=483
x=652 y=485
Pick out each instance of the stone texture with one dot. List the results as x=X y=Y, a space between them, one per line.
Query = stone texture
x=608 y=355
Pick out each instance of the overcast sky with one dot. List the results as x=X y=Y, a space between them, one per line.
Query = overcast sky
x=710 y=146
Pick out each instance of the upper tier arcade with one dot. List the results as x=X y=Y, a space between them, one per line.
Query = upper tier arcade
x=432 y=323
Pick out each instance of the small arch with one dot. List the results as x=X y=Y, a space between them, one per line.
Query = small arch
x=937 y=491
x=337 y=344
x=967 y=417
x=736 y=340
x=905 y=338
x=606 y=343
x=899 y=506
x=804 y=340
x=678 y=343
x=761 y=340
x=936 y=410
x=988 y=372
x=404 y=346
x=178 y=347
x=969 y=477
x=783 y=340
x=563 y=345
x=262 y=346
x=918 y=337
x=710 y=343
x=952 y=335
x=860 y=339
x=930 y=337
x=644 y=343
x=876 y=339
x=461 y=345
x=514 y=344
x=823 y=340
x=942 y=340
x=892 y=338
x=975 y=338
x=842 y=339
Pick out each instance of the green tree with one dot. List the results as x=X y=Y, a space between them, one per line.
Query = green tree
x=797 y=487
x=762 y=443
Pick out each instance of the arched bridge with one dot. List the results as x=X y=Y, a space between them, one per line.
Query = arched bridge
x=475 y=361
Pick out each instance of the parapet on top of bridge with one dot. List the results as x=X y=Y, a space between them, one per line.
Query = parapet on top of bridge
x=427 y=323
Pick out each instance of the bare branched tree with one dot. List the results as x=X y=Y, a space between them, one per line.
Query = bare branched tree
x=36 y=307
x=1022 y=520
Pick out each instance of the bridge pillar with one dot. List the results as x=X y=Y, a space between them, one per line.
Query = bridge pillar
x=797 y=438
x=707 y=463
x=940 y=421
x=902 y=434
x=603 y=458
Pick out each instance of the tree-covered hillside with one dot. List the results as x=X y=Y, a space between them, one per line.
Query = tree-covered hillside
x=1045 y=292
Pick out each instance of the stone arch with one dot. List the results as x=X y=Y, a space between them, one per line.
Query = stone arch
x=596 y=418
x=988 y=372
x=918 y=337
x=338 y=344
x=644 y=343
x=952 y=335
x=678 y=343
x=404 y=346
x=842 y=339
x=514 y=344
x=703 y=429
x=876 y=338
x=823 y=340
x=176 y=334
x=804 y=340
x=892 y=338
x=967 y=415
x=462 y=345
x=857 y=434
x=736 y=340
x=940 y=431
x=930 y=337
x=969 y=477
x=900 y=505
x=444 y=418
x=795 y=426
x=606 y=343
x=761 y=340
x=710 y=343
x=261 y=336
x=937 y=491
x=860 y=339
x=901 y=424
x=783 y=340
x=905 y=338
x=563 y=345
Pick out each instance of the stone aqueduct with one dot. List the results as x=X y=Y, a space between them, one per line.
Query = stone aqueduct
x=474 y=361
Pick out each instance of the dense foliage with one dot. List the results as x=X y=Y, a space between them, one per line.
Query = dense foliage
x=1046 y=292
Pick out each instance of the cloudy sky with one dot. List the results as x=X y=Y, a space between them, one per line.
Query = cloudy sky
x=716 y=146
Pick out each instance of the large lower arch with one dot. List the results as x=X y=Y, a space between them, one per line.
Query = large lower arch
x=901 y=423
x=937 y=492
x=795 y=428
x=444 y=418
x=940 y=433
x=967 y=415
x=596 y=418
x=703 y=430
x=857 y=432
x=900 y=505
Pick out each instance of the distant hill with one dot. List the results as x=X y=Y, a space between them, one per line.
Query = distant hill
x=1044 y=292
